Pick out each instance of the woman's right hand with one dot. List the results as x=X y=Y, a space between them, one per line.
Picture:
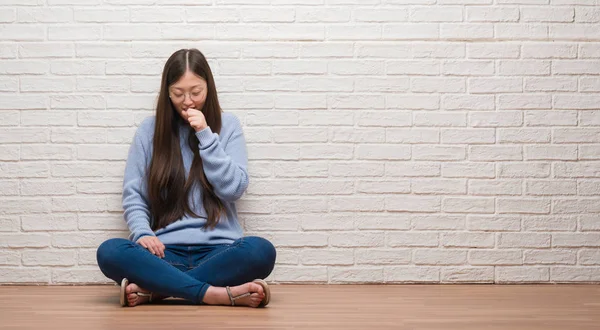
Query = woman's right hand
x=153 y=244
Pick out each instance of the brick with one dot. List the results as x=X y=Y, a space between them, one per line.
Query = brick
x=327 y=257
x=485 y=14
x=495 y=85
x=522 y=274
x=549 y=50
x=468 y=102
x=525 y=101
x=9 y=224
x=550 y=223
x=551 y=118
x=108 y=15
x=544 y=14
x=550 y=84
x=300 y=205
x=101 y=222
x=493 y=50
x=303 y=274
x=410 y=31
x=411 y=274
x=355 y=275
x=523 y=135
x=475 y=170
x=436 y=14
x=382 y=256
x=413 y=204
x=74 y=32
x=468 y=205
x=411 y=135
x=329 y=15
x=298 y=240
x=22 y=240
x=549 y=188
x=568 y=206
x=24 y=205
x=407 y=67
x=79 y=275
x=521 y=31
x=495 y=187
x=332 y=221
x=565 y=274
x=549 y=257
x=470 y=31
x=383 y=152
x=495 y=257
x=24 y=170
x=468 y=136
x=25 y=275
x=589 y=257
x=264 y=223
x=49 y=258
x=438 y=222
x=550 y=152
x=54 y=222
x=412 y=239
x=13 y=258
x=467 y=274
x=441 y=153
x=439 y=186
x=325 y=50
x=383 y=187
x=468 y=68
x=495 y=153
x=523 y=240
x=357 y=204
x=378 y=221
x=466 y=239
x=575 y=240
x=494 y=223
x=439 y=257
x=357 y=135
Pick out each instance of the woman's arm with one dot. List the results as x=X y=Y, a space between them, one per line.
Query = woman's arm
x=135 y=199
x=225 y=168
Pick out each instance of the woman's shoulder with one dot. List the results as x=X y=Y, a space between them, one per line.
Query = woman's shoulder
x=146 y=127
x=145 y=130
x=230 y=121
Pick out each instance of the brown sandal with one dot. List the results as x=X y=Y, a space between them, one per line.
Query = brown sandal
x=123 y=295
x=266 y=290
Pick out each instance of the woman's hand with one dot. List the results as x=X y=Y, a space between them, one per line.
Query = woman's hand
x=196 y=119
x=152 y=244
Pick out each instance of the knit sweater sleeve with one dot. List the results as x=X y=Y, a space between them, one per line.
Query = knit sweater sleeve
x=225 y=164
x=135 y=197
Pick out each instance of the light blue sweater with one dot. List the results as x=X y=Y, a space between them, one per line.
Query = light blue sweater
x=225 y=164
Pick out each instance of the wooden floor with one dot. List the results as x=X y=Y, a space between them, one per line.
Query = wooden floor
x=565 y=307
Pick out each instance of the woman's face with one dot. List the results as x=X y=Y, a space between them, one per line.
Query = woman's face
x=189 y=92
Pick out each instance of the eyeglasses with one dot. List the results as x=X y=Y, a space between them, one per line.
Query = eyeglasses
x=180 y=97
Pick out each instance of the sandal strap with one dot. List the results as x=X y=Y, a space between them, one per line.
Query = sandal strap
x=143 y=294
x=232 y=298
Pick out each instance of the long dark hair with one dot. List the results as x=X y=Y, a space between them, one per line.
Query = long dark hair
x=168 y=189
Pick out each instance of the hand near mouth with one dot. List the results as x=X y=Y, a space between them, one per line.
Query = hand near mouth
x=196 y=119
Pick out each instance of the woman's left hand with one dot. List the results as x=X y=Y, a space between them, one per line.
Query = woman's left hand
x=196 y=119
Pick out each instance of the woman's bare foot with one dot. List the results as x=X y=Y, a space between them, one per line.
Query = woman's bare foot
x=218 y=296
x=134 y=299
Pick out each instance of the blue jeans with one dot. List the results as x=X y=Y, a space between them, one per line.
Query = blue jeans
x=187 y=271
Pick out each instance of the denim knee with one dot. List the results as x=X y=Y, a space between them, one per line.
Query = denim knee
x=110 y=250
x=263 y=252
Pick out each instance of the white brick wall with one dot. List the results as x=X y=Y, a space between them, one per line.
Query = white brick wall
x=389 y=141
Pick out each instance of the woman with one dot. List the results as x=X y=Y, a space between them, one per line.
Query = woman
x=185 y=170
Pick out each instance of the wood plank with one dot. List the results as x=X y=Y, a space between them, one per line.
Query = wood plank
x=315 y=307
